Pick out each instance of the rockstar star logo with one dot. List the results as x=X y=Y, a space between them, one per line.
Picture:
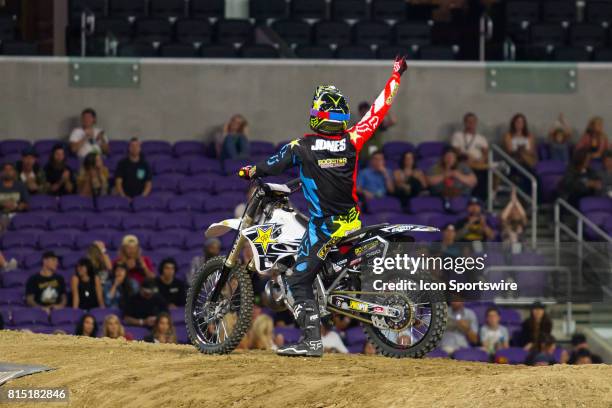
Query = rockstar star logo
x=354 y=137
x=293 y=143
x=317 y=104
x=264 y=238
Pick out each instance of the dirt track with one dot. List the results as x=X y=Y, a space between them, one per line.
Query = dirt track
x=112 y=373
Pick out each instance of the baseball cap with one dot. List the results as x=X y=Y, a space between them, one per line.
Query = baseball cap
x=129 y=240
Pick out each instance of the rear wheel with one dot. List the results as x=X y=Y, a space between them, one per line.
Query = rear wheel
x=218 y=327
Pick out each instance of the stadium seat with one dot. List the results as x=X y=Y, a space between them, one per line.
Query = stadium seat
x=60 y=221
x=127 y=8
x=14 y=279
x=218 y=51
x=371 y=33
x=389 y=10
x=437 y=52
x=571 y=54
x=183 y=221
x=117 y=27
x=11 y=296
x=187 y=202
x=28 y=220
x=261 y=148
x=224 y=202
x=332 y=32
x=137 y=49
x=308 y=9
x=437 y=353
x=547 y=34
x=199 y=183
x=111 y=203
x=178 y=51
x=167 y=8
x=387 y=52
x=167 y=182
x=151 y=203
x=349 y=9
x=512 y=355
x=43 y=203
x=293 y=32
x=207 y=8
x=193 y=31
x=408 y=34
x=559 y=11
x=426 y=204
x=203 y=165
x=259 y=51
x=43 y=147
x=591 y=35
x=16 y=48
x=77 y=7
x=165 y=240
x=13 y=146
x=314 y=52
x=233 y=31
x=603 y=55
x=71 y=203
x=153 y=30
x=186 y=148
x=384 y=204
x=591 y=204
x=30 y=316
x=598 y=12
x=65 y=316
x=355 y=52
x=267 y=9
x=471 y=354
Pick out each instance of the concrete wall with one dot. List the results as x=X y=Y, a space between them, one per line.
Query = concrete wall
x=189 y=99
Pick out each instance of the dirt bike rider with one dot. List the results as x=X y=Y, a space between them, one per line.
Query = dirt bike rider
x=327 y=161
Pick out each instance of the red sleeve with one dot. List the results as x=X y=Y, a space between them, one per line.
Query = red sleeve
x=362 y=131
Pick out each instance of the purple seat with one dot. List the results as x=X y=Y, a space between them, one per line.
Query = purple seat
x=200 y=183
x=19 y=254
x=167 y=182
x=30 y=316
x=43 y=203
x=32 y=261
x=66 y=221
x=66 y=316
x=72 y=203
x=543 y=151
x=68 y=328
x=19 y=239
x=355 y=335
x=458 y=204
x=290 y=334
x=13 y=146
x=608 y=226
x=151 y=147
x=437 y=353
x=550 y=186
x=85 y=239
x=230 y=183
x=550 y=167
x=11 y=296
x=184 y=148
x=431 y=149
x=43 y=147
x=599 y=218
x=426 y=204
x=70 y=260
x=394 y=151
x=138 y=333
x=165 y=240
x=384 y=204
x=204 y=166
x=53 y=240
x=184 y=259
x=5 y=312
x=223 y=202
x=14 y=279
x=112 y=203
x=471 y=354
x=187 y=202
x=181 y=334
x=261 y=148
x=426 y=163
x=28 y=220
x=171 y=165
x=148 y=221
x=37 y=328
x=512 y=355
x=151 y=203
x=178 y=315
x=202 y=221
x=230 y=167
x=100 y=314
x=194 y=240
x=105 y=220
x=592 y=204
x=118 y=147
x=532 y=284
x=184 y=221
x=510 y=316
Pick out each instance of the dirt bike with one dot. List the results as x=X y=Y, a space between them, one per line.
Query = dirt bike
x=219 y=305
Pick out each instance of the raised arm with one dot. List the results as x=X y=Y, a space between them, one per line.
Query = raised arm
x=276 y=164
x=365 y=128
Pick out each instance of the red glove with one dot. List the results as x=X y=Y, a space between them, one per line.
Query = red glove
x=400 y=65
x=246 y=172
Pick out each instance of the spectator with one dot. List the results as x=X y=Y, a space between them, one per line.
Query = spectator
x=474 y=227
x=580 y=353
x=261 y=335
x=7 y=266
x=143 y=308
x=130 y=254
x=87 y=138
x=100 y=260
x=93 y=177
x=171 y=288
x=13 y=193
x=559 y=140
x=450 y=177
x=235 y=142
x=493 y=336
x=29 y=172
x=605 y=175
x=579 y=180
x=409 y=181
x=449 y=241
x=375 y=180
x=87 y=326
x=369 y=349
x=58 y=175
x=86 y=287
x=118 y=288
x=133 y=173
x=545 y=353
x=594 y=139
x=462 y=328
x=535 y=328
x=162 y=331
x=114 y=329
x=514 y=221
x=332 y=342
x=46 y=289
x=520 y=143
x=376 y=142
x=212 y=248
x=475 y=148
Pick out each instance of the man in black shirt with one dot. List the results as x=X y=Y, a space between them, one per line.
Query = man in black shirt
x=170 y=288
x=142 y=308
x=14 y=195
x=133 y=174
x=46 y=289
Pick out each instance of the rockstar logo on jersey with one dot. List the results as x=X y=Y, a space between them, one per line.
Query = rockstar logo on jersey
x=264 y=238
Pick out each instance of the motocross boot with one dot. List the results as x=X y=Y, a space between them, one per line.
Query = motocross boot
x=307 y=317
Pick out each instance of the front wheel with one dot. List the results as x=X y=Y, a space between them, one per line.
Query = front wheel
x=218 y=327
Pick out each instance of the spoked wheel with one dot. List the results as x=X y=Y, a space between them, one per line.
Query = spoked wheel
x=419 y=328
x=218 y=327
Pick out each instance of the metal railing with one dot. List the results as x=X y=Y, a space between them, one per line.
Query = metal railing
x=485 y=34
x=531 y=199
